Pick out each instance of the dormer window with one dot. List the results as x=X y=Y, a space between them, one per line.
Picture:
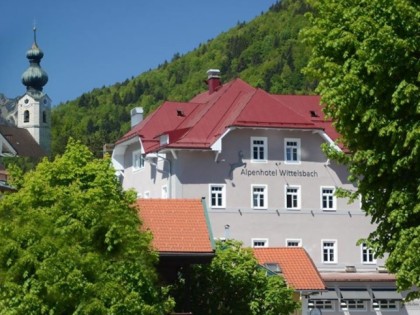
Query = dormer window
x=164 y=139
x=26 y=116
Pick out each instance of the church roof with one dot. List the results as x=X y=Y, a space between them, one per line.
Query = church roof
x=21 y=141
x=34 y=78
x=199 y=123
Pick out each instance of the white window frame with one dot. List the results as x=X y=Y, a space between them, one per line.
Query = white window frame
x=297 y=194
x=294 y=240
x=367 y=252
x=331 y=198
x=353 y=305
x=263 y=194
x=334 y=250
x=259 y=240
x=164 y=192
x=137 y=155
x=222 y=192
x=325 y=305
x=288 y=147
x=386 y=305
x=259 y=147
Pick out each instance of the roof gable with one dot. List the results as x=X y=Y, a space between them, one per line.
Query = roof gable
x=297 y=267
x=177 y=225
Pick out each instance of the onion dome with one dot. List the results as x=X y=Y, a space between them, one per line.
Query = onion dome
x=34 y=78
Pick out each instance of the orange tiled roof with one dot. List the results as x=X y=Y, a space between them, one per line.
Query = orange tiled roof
x=297 y=267
x=177 y=225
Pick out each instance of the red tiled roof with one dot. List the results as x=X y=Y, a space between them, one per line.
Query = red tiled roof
x=297 y=267
x=200 y=122
x=177 y=225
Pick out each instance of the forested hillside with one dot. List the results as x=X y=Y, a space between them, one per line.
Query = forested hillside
x=265 y=52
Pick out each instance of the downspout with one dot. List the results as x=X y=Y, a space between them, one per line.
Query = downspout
x=170 y=173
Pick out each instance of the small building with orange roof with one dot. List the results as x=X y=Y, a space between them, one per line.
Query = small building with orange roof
x=181 y=233
x=296 y=267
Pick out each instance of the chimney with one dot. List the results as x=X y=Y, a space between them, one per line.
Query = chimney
x=213 y=80
x=136 y=116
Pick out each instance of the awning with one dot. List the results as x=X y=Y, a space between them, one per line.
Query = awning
x=328 y=295
x=355 y=295
x=387 y=295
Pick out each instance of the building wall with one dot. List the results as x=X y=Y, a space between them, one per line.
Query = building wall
x=194 y=171
x=149 y=180
x=190 y=173
x=38 y=121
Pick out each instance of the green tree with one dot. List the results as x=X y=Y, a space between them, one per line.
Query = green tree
x=366 y=58
x=70 y=243
x=235 y=284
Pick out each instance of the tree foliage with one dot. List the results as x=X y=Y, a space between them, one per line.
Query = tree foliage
x=70 y=243
x=234 y=284
x=265 y=52
x=366 y=57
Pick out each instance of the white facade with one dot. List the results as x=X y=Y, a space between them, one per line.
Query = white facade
x=35 y=116
x=273 y=187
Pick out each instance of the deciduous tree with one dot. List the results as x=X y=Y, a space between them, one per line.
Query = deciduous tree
x=234 y=284
x=70 y=243
x=366 y=56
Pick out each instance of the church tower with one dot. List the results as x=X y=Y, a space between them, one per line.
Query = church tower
x=34 y=107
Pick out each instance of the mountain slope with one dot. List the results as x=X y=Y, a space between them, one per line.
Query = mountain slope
x=265 y=52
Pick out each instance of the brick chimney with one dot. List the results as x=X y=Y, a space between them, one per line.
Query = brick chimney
x=213 y=80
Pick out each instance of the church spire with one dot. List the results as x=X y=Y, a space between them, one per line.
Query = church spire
x=34 y=78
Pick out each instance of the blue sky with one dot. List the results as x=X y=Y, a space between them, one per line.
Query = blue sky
x=91 y=43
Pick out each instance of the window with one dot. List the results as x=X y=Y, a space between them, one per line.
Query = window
x=329 y=251
x=44 y=117
x=328 y=200
x=164 y=192
x=292 y=151
x=347 y=305
x=258 y=149
x=322 y=304
x=138 y=160
x=217 y=196
x=367 y=255
x=259 y=242
x=259 y=197
x=385 y=305
x=146 y=194
x=273 y=267
x=26 y=116
x=292 y=197
x=294 y=243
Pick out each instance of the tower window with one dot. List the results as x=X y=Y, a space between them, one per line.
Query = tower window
x=26 y=116
x=44 y=117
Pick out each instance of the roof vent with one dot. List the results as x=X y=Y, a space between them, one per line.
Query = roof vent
x=313 y=113
x=180 y=113
x=213 y=80
x=350 y=269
